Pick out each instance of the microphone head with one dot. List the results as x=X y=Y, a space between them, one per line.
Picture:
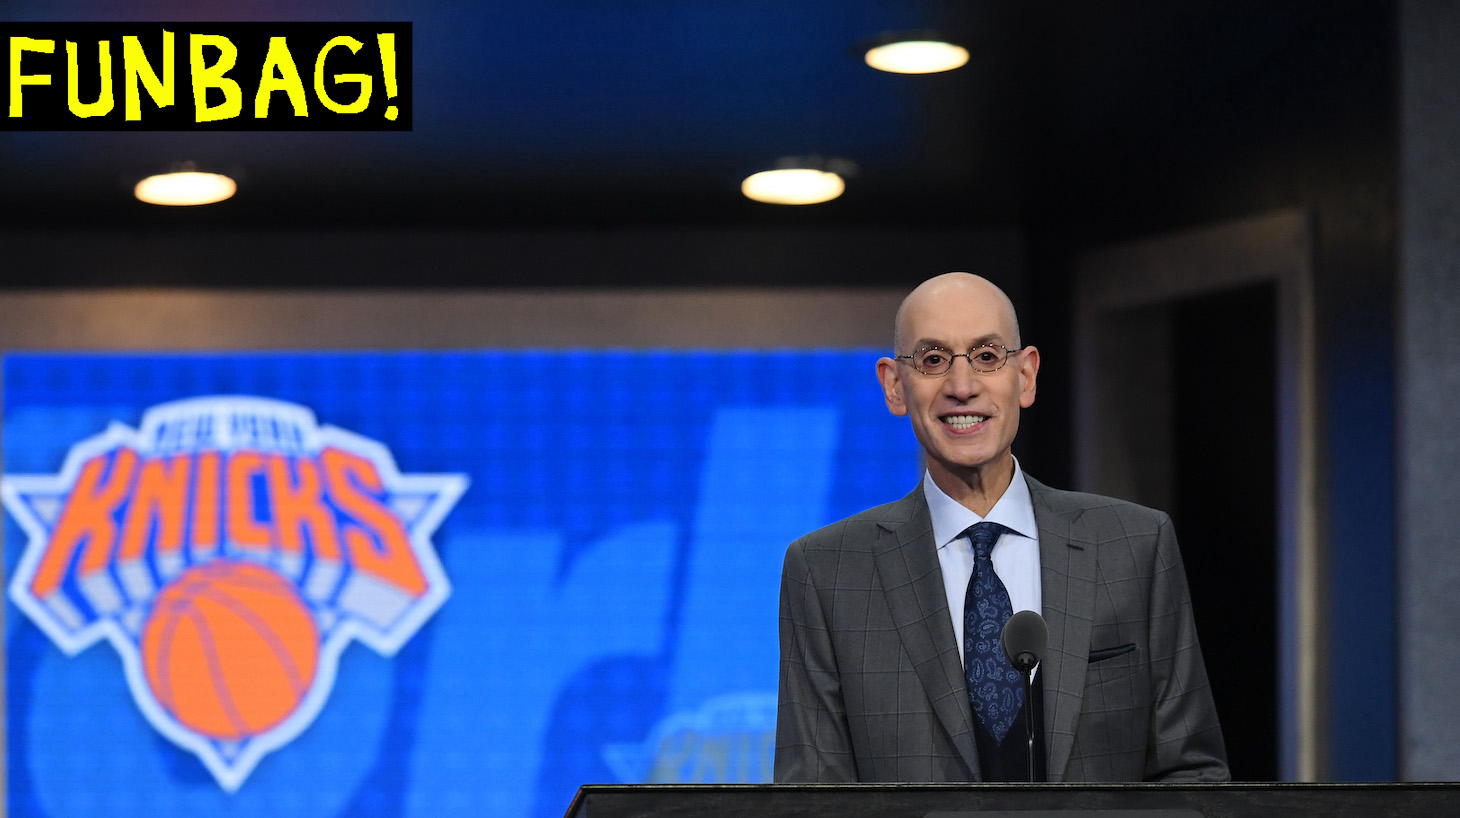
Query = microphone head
x=1024 y=640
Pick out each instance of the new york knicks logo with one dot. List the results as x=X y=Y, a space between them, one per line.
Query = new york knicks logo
x=229 y=549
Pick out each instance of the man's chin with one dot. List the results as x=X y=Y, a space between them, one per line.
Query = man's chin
x=968 y=466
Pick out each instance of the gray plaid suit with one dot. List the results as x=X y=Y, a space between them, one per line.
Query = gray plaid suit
x=872 y=688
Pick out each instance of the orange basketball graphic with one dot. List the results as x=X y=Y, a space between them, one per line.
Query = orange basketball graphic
x=230 y=649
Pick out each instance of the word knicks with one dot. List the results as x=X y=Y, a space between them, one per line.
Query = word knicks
x=229 y=549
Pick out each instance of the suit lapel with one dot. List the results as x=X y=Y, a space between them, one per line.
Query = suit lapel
x=907 y=563
x=1067 y=574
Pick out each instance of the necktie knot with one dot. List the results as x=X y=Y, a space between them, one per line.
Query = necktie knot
x=984 y=535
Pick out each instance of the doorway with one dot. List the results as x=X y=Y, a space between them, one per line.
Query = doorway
x=1193 y=395
x=1225 y=511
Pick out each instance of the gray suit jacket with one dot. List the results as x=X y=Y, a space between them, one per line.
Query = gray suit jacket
x=872 y=688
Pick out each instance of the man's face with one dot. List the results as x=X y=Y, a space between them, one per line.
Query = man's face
x=965 y=420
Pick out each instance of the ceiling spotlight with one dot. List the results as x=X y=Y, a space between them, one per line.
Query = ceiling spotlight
x=185 y=187
x=798 y=181
x=922 y=53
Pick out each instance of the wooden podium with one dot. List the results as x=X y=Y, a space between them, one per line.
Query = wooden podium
x=1015 y=800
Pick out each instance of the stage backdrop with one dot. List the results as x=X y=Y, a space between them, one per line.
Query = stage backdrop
x=426 y=584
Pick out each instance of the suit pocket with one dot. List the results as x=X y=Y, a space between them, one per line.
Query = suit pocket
x=1110 y=653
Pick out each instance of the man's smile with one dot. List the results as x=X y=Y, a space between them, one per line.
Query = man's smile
x=964 y=422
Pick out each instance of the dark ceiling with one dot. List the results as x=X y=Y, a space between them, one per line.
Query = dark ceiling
x=551 y=113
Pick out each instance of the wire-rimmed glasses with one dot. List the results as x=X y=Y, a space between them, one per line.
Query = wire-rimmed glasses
x=937 y=361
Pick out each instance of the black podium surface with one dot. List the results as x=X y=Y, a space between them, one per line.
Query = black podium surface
x=1015 y=800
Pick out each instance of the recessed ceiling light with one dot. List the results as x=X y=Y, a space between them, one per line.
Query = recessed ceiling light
x=799 y=181
x=185 y=188
x=918 y=54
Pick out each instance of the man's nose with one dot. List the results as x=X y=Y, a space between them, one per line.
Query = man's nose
x=961 y=381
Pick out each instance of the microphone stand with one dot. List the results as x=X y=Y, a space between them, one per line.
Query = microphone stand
x=1027 y=663
x=1024 y=638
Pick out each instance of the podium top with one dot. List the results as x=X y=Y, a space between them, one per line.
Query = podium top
x=1237 y=800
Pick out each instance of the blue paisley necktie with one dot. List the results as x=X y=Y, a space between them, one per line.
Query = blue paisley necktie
x=995 y=688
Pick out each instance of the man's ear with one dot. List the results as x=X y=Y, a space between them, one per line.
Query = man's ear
x=1028 y=371
x=890 y=374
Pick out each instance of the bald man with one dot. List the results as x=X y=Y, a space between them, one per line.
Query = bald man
x=890 y=619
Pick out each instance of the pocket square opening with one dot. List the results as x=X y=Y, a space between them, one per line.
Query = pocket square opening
x=1109 y=653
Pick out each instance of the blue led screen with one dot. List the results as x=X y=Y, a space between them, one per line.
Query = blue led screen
x=424 y=584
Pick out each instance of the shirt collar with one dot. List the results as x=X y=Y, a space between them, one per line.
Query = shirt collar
x=1014 y=510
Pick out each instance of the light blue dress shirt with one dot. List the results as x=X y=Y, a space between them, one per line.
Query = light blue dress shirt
x=1015 y=555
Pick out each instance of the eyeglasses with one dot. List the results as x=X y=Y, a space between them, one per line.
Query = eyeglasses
x=937 y=361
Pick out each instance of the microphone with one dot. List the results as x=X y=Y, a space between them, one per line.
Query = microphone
x=1024 y=639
